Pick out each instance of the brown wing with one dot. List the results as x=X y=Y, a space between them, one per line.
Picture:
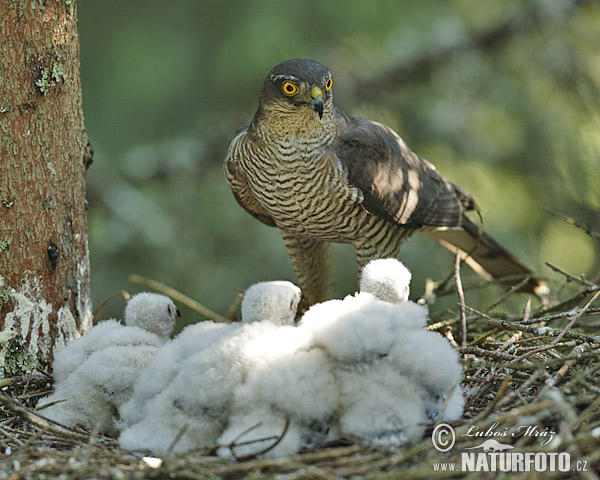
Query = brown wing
x=237 y=179
x=397 y=184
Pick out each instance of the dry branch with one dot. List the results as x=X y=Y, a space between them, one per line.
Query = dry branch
x=178 y=297
x=572 y=221
x=515 y=326
x=461 y=299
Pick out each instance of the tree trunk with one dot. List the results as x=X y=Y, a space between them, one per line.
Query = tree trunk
x=44 y=155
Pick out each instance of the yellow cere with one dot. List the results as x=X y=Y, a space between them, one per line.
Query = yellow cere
x=316 y=92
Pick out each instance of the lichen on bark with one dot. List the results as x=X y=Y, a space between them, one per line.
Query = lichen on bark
x=44 y=155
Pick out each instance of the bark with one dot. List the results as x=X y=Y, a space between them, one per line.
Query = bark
x=44 y=155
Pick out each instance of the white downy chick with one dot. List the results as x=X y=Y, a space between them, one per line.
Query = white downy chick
x=361 y=327
x=198 y=399
x=387 y=279
x=95 y=373
x=165 y=366
x=379 y=404
x=432 y=365
x=191 y=384
x=286 y=372
x=286 y=379
x=145 y=311
x=97 y=389
x=70 y=358
x=275 y=302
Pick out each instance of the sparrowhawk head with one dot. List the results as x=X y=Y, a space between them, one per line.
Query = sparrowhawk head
x=297 y=84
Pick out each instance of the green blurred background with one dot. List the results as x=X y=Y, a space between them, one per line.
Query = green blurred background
x=503 y=97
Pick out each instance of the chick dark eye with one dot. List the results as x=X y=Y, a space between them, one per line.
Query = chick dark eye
x=329 y=83
x=289 y=88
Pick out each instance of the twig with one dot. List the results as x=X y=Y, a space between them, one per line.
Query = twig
x=516 y=394
x=527 y=311
x=501 y=391
x=506 y=345
x=578 y=223
x=482 y=352
x=439 y=325
x=230 y=313
x=50 y=404
x=581 y=376
x=537 y=330
x=533 y=351
x=26 y=385
x=22 y=380
x=293 y=463
x=25 y=414
x=11 y=437
x=121 y=293
x=178 y=297
x=562 y=371
x=570 y=302
x=570 y=277
x=558 y=316
x=176 y=440
x=278 y=439
x=514 y=288
x=505 y=418
x=461 y=299
x=577 y=317
x=591 y=410
x=482 y=337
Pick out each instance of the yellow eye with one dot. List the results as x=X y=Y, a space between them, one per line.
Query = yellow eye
x=289 y=88
x=329 y=83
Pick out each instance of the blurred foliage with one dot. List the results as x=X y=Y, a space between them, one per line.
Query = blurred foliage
x=512 y=116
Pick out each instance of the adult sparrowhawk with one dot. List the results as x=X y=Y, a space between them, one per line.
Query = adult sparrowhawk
x=321 y=176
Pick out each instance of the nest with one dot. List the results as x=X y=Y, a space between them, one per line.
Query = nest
x=531 y=380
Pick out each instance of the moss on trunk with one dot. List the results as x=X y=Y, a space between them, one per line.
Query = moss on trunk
x=44 y=155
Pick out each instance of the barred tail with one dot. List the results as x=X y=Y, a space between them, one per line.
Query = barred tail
x=487 y=257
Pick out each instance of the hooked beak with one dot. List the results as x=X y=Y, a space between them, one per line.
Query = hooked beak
x=317 y=101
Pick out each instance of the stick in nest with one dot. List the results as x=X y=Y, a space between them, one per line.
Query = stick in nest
x=176 y=440
x=501 y=391
x=121 y=293
x=577 y=317
x=547 y=331
x=40 y=421
x=277 y=440
x=461 y=299
x=562 y=371
x=178 y=297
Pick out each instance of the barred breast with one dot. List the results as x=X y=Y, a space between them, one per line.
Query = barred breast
x=303 y=187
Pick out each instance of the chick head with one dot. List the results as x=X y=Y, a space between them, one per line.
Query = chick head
x=275 y=302
x=152 y=312
x=387 y=279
